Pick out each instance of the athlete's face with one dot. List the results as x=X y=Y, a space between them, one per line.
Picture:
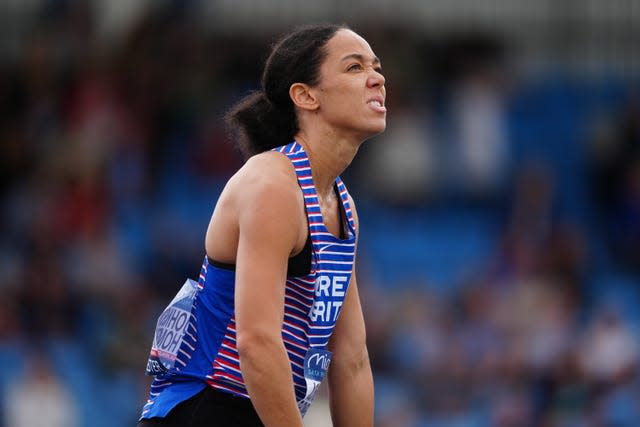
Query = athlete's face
x=351 y=91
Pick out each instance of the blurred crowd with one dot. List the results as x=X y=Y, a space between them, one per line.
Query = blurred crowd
x=500 y=249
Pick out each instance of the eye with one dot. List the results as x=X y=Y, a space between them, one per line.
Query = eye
x=378 y=69
x=354 y=67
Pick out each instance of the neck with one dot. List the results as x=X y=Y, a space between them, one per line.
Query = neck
x=329 y=156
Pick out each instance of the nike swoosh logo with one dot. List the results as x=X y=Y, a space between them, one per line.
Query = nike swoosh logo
x=325 y=247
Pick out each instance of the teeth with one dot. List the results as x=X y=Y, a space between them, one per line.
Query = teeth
x=377 y=103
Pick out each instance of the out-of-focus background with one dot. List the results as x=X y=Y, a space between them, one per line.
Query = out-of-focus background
x=499 y=260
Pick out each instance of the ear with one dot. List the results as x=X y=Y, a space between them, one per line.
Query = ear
x=303 y=97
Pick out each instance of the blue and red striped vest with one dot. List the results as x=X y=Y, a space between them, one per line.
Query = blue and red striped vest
x=207 y=353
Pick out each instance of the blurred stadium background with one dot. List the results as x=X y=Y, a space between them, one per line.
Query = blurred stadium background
x=500 y=250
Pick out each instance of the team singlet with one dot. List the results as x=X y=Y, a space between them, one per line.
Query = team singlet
x=194 y=344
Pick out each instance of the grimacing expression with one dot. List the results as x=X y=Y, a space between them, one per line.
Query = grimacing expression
x=351 y=91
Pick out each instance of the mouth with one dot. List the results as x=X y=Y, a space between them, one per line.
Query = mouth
x=377 y=105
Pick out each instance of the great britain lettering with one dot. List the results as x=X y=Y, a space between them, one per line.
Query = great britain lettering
x=329 y=297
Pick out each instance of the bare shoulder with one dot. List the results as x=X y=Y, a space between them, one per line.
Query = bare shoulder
x=266 y=186
x=269 y=173
x=262 y=196
x=269 y=165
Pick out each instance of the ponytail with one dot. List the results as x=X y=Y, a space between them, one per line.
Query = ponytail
x=259 y=125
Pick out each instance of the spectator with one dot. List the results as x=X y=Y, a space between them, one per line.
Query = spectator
x=39 y=398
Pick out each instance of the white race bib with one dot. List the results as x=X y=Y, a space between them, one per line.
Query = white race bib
x=171 y=329
x=316 y=364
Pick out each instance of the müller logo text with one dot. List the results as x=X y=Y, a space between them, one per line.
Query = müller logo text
x=318 y=361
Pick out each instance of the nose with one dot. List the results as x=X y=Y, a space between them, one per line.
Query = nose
x=376 y=79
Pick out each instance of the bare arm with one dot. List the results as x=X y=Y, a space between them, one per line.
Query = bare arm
x=350 y=379
x=267 y=211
